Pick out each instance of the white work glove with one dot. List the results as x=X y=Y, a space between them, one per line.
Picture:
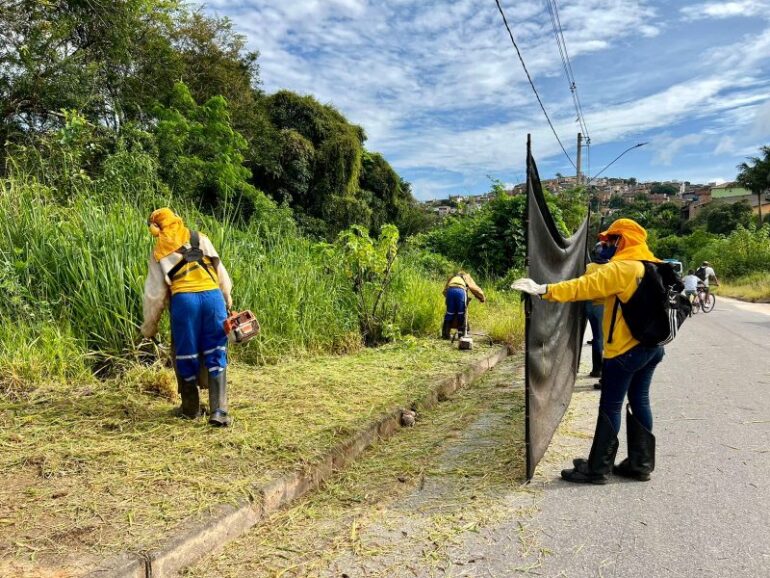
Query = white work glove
x=529 y=286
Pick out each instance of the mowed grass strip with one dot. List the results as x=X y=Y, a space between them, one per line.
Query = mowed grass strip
x=407 y=502
x=101 y=468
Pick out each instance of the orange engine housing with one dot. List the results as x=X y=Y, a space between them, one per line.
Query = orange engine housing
x=241 y=327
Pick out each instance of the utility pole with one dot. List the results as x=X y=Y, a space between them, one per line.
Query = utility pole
x=579 y=156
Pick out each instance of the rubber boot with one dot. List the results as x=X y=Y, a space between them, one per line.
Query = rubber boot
x=461 y=325
x=594 y=470
x=446 y=329
x=191 y=403
x=596 y=364
x=641 y=451
x=218 y=399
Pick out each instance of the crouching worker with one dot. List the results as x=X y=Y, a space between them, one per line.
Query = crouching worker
x=628 y=365
x=457 y=299
x=186 y=265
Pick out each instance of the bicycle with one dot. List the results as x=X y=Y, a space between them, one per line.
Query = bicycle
x=704 y=301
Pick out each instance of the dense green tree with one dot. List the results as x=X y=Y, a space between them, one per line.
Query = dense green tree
x=664 y=189
x=490 y=240
x=755 y=175
x=666 y=219
x=574 y=206
x=201 y=155
x=108 y=71
x=724 y=218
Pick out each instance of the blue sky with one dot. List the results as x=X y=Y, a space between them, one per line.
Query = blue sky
x=440 y=92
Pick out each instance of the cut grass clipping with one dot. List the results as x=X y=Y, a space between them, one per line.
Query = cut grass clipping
x=103 y=468
x=407 y=503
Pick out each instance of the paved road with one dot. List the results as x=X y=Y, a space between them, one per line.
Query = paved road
x=706 y=511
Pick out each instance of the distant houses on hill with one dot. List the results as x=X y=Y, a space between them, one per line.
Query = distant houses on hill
x=608 y=192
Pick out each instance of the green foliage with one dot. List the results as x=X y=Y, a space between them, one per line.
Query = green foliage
x=666 y=219
x=573 y=204
x=723 y=219
x=201 y=156
x=680 y=247
x=755 y=175
x=490 y=240
x=368 y=265
x=219 y=139
x=742 y=252
x=664 y=189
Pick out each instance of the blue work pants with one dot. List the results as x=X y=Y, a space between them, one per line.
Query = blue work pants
x=629 y=374
x=197 y=326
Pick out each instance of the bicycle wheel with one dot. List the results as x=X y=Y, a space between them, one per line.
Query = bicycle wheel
x=695 y=306
x=708 y=302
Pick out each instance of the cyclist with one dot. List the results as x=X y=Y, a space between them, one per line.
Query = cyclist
x=691 y=281
x=705 y=272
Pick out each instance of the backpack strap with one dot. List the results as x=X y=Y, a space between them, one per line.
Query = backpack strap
x=182 y=262
x=195 y=242
x=614 y=317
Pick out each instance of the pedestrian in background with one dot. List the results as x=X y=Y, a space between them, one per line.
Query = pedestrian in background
x=602 y=253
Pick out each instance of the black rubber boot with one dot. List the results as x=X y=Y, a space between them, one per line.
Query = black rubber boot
x=218 y=399
x=596 y=364
x=641 y=451
x=446 y=329
x=594 y=470
x=599 y=384
x=461 y=325
x=191 y=403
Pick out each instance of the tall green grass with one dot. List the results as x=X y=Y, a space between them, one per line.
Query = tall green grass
x=84 y=262
x=76 y=270
x=88 y=260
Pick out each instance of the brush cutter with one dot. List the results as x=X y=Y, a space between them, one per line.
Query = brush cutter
x=241 y=327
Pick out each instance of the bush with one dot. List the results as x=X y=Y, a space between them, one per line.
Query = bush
x=743 y=252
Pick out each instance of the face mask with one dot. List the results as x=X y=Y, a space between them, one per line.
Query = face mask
x=607 y=252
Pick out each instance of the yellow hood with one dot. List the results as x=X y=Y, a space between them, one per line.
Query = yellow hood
x=633 y=241
x=169 y=230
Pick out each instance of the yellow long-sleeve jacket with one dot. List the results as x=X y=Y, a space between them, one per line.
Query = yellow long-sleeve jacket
x=616 y=279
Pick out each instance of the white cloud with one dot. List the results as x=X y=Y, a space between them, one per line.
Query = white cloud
x=721 y=10
x=760 y=127
x=438 y=87
x=726 y=146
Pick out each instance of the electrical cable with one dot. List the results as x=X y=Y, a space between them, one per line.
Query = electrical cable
x=553 y=11
x=532 y=84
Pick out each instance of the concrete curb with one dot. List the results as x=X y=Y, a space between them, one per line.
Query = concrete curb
x=197 y=539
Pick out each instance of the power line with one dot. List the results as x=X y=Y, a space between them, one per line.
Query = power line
x=553 y=11
x=532 y=84
x=596 y=176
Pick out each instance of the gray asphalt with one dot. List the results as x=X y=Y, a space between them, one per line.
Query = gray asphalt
x=706 y=511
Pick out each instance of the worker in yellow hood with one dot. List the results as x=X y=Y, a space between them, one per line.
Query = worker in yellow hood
x=628 y=366
x=185 y=270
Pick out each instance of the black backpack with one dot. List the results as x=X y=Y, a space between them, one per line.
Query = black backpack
x=191 y=254
x=701 y=273
x=657 y=308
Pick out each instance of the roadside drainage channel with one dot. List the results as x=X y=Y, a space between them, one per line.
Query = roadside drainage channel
x=194 y=541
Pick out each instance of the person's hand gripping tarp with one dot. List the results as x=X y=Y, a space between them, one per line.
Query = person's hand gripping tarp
x=529 y=286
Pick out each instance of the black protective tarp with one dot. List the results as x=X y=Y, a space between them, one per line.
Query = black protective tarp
x=554 y=331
